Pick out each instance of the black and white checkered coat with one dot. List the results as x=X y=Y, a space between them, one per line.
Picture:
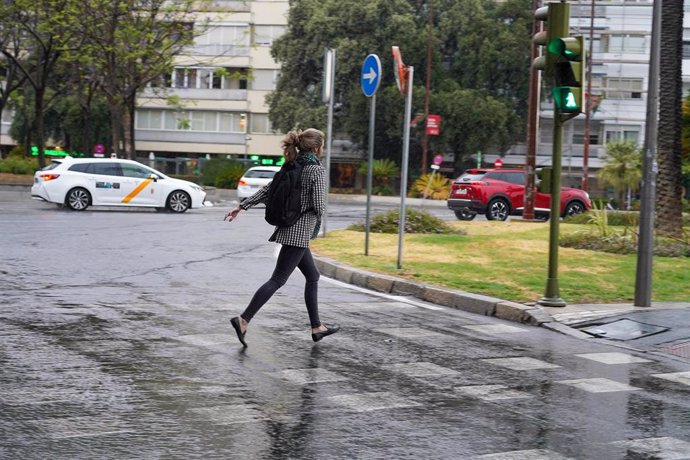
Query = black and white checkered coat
x=313 y=207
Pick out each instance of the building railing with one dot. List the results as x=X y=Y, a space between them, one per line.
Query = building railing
x=197 y=93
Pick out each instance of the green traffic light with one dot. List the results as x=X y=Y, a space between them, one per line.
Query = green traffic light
x=566 y=99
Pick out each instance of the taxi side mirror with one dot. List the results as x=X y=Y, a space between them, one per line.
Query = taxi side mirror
x=153 y=177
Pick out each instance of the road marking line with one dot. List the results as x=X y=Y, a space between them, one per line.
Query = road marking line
x=136 y=191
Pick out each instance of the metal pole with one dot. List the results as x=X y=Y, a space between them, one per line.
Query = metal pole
x=551 y=297
x=329 y=141
x=645 y=248
x=429 y=55
x=532 y=124
x=405 y=155
x=588 y=105
x=370 y=170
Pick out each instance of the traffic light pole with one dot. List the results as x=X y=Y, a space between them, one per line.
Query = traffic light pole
x=551 y=296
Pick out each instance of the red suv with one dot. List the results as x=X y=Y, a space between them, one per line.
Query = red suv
x=499 y=193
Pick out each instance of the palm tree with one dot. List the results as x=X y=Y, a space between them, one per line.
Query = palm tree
x=623 y=168
x=669 y=181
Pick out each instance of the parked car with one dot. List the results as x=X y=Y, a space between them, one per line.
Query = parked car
x=253 y=179
x=499 y=193
x=82 y=182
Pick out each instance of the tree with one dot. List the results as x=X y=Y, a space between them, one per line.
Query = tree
x=496 y=76
x=623 y=168
x=669 y=180
x=129 y=44
x=44 y=31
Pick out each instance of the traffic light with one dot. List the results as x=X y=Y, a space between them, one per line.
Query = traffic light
x=556 y=17
x=562 y=60
x=569 y=73
x=543 y=180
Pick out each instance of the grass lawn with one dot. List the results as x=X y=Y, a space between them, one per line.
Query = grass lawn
x=508 y=260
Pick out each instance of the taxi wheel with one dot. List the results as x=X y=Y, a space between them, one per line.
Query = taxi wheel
x=78 y=199
x=178 y=201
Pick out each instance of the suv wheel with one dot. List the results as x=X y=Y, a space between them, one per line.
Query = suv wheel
x=465 y=214
x=573 y=208
x=498 y=209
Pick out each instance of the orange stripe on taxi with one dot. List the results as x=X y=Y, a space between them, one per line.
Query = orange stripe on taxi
x=136 y=191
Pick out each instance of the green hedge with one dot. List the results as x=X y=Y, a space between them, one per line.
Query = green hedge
x=415 y=222
x=18 y=165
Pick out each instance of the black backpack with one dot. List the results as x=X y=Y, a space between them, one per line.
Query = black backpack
x=284 y=200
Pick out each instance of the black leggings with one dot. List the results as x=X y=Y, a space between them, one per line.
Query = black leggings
x=289 y=258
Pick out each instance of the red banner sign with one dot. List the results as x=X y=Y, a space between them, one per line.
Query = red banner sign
x=433 y=125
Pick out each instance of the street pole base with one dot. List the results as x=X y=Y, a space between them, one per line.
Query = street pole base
x=551 y=297
x=551 y=302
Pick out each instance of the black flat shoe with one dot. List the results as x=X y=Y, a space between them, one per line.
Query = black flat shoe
x=240 y=335
x=329 y=330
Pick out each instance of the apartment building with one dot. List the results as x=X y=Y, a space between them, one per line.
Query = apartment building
x=213 y=102
x=621 y=40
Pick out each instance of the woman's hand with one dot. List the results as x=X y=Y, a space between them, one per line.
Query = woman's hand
x=230 y=216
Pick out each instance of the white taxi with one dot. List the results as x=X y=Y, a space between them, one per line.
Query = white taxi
x=82 y=182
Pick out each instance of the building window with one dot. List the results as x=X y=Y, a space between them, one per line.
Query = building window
x=686 y=50
x=264 y=35
x=236 y=35
x=624 y=43
x=209 y=78
x=261 y=124
x=264 y=79
x=579 y=138
x=622 y=88
x=622 y=135
x=189 y=120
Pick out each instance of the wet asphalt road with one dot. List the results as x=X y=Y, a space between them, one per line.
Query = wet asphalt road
x=115 y=343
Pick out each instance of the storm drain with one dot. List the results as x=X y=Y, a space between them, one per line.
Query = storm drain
x=679 y=349
x=623 y=329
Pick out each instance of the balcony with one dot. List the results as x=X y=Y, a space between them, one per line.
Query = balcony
x=190 y=137
x=218 y=50
x=198 y=94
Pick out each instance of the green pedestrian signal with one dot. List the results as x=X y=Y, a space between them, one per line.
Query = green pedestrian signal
x=568 y=73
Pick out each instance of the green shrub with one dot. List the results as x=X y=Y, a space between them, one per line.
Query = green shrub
x=222 y=171
x=624 y=244
x=14 y=164
x=616 y=218
x=415 y=222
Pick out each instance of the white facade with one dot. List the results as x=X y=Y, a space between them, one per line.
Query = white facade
x=620 y=64
x=218 y=88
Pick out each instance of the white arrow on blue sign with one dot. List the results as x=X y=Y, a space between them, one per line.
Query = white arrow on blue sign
x=371 y=75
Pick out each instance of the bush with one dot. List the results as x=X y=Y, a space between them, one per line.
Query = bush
x=625 y=244
x=616 y=218
x=223 y=173
x=415 y=222
x=14 y=164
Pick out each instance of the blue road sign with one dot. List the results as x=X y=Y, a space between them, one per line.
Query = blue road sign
x=371 y=75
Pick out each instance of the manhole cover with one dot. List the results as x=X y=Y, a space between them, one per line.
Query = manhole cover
x=679 y=349
x=624 y=329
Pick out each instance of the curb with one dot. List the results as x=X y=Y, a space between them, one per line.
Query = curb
x=461 y=300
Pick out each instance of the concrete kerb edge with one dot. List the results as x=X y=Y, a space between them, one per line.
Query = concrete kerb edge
x=466 y=301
